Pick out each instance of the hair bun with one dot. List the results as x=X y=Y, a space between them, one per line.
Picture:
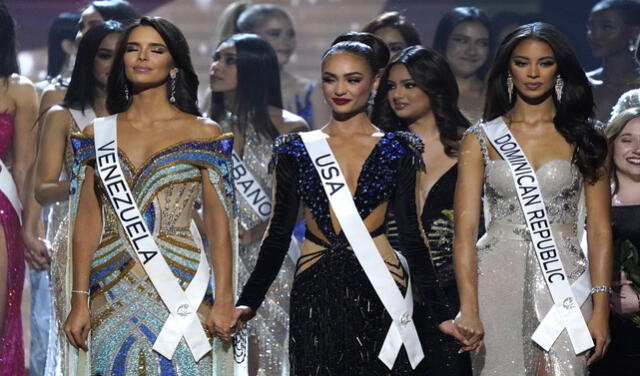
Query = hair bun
x=379 y=47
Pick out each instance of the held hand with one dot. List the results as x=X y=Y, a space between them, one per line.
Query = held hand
x=37 y=250
x=219 y=320
x=599 y=329
x=77 y=326
x=449 y=327
x=471 y=328
x=241 y=315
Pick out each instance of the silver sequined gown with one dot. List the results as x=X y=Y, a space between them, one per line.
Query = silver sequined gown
x=512 y=294
x=270 y=327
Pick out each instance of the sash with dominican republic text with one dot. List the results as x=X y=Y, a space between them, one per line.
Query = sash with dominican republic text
x=183 y=320
x=567 y=298
x=9 y=189
x=402 y=330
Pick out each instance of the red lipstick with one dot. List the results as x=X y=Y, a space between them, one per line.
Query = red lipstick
x=340 y=101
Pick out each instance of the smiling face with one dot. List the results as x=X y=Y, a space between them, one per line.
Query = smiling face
x=407 y=100
x=279 y=32
x=147 y=61
x=104 y=58
x=533 y=67
x=223 y=72
x=467 y=48
x=347 y=82
x=626 y=150
x=608 y=33
x=393 y=38
x=88 y=18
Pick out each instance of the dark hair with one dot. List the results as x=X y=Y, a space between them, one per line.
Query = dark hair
x=628 y=9
x=253 y=16
x=431 y=73
x=453 y=18
x=64 y=27
x=82 y=87
x=397 y=21
x=574 y=114
x=118 y=10
x=258 y=86
x=366 y=45
x=8 y=52
x=186 y=88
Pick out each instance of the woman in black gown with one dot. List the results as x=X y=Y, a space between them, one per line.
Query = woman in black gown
x=418 y=93
x=623 y=134
x=338 y=323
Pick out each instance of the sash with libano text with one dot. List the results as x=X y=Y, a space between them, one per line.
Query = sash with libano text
x=182 y=304
x=567 y=298
x=402 y=330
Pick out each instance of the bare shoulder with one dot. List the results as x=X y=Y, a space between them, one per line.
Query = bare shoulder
x=204 y=127
x=287 y=122
x=21 y=85
x=57 y=113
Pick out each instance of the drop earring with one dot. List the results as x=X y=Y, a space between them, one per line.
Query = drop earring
x=172 y=87
x=126 y=93
x=510 y=86
x=559 y=86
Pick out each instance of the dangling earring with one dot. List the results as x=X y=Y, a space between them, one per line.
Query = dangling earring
x=510 y=86
x=559 y=87
x=172 y=86
x=126 y=93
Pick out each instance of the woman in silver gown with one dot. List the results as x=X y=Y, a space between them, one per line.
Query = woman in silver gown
x=537 y=87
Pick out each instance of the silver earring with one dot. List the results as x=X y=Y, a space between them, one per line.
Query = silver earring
x=631 y=46
x=126 y=92
x=559 y=87
x=172 y=85
x=510 y=86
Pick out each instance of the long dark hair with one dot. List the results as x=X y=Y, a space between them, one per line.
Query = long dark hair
x=397 y=21
x=431 y=73
x=258 y=86
x=453 y=18
x=186 y=88
x=64 y=27
x=574 y=113
x=82 y=87
x=8 y=52
x=119 y=10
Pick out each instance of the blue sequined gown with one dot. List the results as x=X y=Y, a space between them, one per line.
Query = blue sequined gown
x=126 y=311
x=338 y=323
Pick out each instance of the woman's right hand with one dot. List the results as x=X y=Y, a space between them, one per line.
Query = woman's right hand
x=77 y=325
x=471 y=328
x=240 y=318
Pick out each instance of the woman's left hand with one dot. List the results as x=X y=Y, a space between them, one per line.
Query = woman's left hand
x=449 y=327
x=219 y=320
x=599 y=329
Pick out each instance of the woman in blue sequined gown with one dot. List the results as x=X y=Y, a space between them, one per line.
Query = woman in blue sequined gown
x=171 y=158
x=539 y=90
x=338 y=323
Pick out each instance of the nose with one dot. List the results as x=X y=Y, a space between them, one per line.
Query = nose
x=472 y=50
x=533 y=71
x=397 y=93
x=143 y=54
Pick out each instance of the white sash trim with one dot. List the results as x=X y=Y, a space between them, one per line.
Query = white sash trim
x=9 y=189
x=183 y=320
x=567 y=298
x=82 y=119
x=402 y=330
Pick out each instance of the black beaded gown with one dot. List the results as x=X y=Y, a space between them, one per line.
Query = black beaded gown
x=441 y=350
x=337 y=322
x=623 y=354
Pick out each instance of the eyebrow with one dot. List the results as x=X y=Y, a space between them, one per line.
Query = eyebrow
x=153 y=44
x=526 y=58
x=345 y=75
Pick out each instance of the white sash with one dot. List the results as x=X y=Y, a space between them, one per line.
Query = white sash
x=402 y=330
x=82 y=119
x=567 y=298
x=259 y=201
x=9 y=189
x=183 y=320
